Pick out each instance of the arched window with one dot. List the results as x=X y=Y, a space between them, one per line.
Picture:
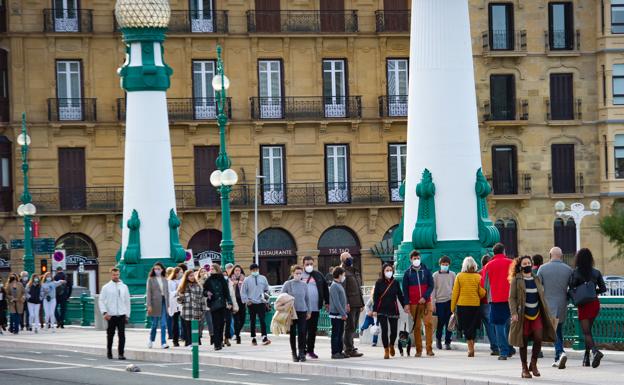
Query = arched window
x=565 y=236
x=390 y=233
x=81 y=251
x=77 y=244
x=277 y=252
x=508 y=231
x=333 y=242
x=6 y=184
x=205 y=240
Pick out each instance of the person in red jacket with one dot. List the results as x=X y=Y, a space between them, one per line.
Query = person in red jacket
x=494 y=278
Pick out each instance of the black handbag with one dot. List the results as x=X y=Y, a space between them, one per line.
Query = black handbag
x=583 y=293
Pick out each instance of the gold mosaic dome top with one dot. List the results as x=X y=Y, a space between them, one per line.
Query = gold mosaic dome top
x=142 y=13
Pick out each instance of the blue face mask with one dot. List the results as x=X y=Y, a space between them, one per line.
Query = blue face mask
x=444 y=268
x=255 y=273
x=348 y=262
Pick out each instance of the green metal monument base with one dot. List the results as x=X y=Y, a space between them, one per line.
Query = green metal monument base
x=135 y=275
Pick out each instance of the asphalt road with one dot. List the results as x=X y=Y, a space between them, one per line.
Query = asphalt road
x=37 y=367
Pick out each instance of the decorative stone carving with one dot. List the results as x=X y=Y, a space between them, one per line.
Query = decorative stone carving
x=373 y=213
x=75 y=221
x=211 y=217
x=110 y=227
x=309 y=218
x=341 y=215
x=276 y=218
x=244 y=219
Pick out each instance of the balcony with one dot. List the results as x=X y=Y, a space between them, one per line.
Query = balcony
x=393 y=106
x=190 y=197
x=564 y=109
x=306 y=107
x=567 y=186
x=74 y=109
x=392 y=21
x=184 y=109
x=302 y=21
x=193 y=21
x=504 y=43
x=68 y=20
x=562 y=42
x=514 y=189
x=506 y=113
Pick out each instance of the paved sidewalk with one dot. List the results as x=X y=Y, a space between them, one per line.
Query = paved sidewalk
x=448 y=367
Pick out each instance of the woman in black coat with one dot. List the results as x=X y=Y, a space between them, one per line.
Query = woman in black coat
x=218 y=292
x=386 y=299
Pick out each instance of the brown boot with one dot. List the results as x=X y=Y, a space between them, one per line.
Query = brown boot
x=525 y=371
x=392 y=352
x=471 y=345
x=386 y=353
x=533 y=368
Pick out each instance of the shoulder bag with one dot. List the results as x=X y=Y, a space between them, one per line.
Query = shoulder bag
x=584 y=293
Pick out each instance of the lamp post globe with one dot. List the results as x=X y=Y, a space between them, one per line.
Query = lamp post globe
x=219 y=82
x=23 y=139
x=30 y=209
x=229 y=177
x=559 y=206
x=594 y=205
x=215 y=178
x=20 y=210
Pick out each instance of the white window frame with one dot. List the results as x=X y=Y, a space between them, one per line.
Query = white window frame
x=69 y=106
x=273 y=190
x=337 y=190
x=335 y=106
x=199 y=21
x=66 y=23
x=270 y=105
x=397 y=99
x=400 y=159
x=204 y=104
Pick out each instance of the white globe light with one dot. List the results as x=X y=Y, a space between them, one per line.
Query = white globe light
x=229 y=177
x=595 y=205
x=560 y=206
x=30 y=209
x=215 y=178
x=20 y=210
x=23 y=139
x=216 y=82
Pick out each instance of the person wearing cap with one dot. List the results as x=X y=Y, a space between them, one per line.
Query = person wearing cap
x=63 y=292
x=255 y=293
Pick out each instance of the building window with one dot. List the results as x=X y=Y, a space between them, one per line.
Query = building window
x=335 y=88
x=618 y=84
x=501 y=26
x=565 y=236
x=619 y=156
x=6 y=184
x=561 y=26
x=333 y=242
x=397 y=76
x=270 y=89
x=563 y=173
x=69 y=89
x=337 y=173
x=203 y=93
x=504 y=170
x=273 y=172
x=617 y=16
x=397 y=163
x=202 y=16
x=508 y=230
x=66 y=16
x=503 y=97
x=72 y=178
x=561 y=97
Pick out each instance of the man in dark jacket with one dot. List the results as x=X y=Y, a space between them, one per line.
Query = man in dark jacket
x=417 y=289
x=63 y=292
x=355 y=303
x=318 y=292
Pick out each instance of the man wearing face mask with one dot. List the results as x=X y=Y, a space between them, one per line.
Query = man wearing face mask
x=254 y=294
x=24 y=317
x=443 y=281
x=355 y=303
x=318 y=291
x=417 y=287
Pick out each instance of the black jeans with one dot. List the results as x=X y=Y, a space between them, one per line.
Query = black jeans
x=259 y=310
x=116 y=322
x=298 y=331
x=443 y=311
x=176 y=327
x=394 y=326
x=24 y=318
x=60 y=311
x=312 y=328
x=239 y=318
x=336 y=335
x=188 y=333
x=228 y=324
x=218 y=321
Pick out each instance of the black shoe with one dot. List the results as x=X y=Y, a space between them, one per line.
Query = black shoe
x=439 y=344
x=540 y=355
x=338 y=356
x=302 y=358
x=238 y=340
x=586 y=359
x=596 y=357
x=217 y=348
x=502 y=358
x=494 y=353
x=121 y=357
x=266 y=340
x=254 y=342
x=447 y=346
x=109 y=356
x=295 y=358
x=176 y=343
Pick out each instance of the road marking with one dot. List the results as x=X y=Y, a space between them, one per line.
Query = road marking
x=34 y=352
x=29 y=369
x=238 y=374
x=346 y=383
x=294 y=379
x=61 y=355
x=89 y=359
x=190 y=369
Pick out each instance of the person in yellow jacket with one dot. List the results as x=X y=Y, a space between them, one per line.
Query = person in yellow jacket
x=466 y=301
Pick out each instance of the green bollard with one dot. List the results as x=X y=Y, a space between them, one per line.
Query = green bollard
x=195 y=334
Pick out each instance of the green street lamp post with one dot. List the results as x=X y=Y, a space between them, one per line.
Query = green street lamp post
x=26 y=209
x=224 y=177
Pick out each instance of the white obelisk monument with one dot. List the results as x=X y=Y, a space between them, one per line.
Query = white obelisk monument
x=445 y=210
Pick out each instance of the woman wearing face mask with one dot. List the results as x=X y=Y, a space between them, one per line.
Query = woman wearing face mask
x=157 y=298
x=530 y=319
x=219 y=300
x=33 y=301
x=231 y=312
x=192 y=302
x=386 y=294
x=3 y=308
x=48 y=296
x=237 y=276
x=173 y=281
x=297 y=288
x=15 y=301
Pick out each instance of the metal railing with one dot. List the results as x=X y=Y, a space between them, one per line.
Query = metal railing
x=504 y=110
x=615 y=288
x=519 y=186
x=504 y=40
x=578 y=188
x=302 y=21
x=72 y=109
x=393 y=106
x=306 y=107
x=573 y=110
x=184 y=109
x=392 y=21
x=562 y=40
x=194 y=21
x=67 y=20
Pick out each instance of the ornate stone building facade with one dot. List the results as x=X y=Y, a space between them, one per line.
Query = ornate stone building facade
x=317 y=106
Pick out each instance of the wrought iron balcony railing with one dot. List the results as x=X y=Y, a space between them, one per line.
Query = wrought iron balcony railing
x=72 y=109
x=574 y=185
x=194 y=21
x=506 y=110
x=393 y=106
x=189 y=197
x=392 y=21
x=519 y=185
x=302 y=21
x=67 y=20
x=306 y=107
x=184 y=109
x=504 y=40
x=564 y=108
x=562 y=40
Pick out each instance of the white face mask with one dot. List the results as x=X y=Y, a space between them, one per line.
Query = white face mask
x=416 y=262
x=388 y=274
x=309 y=269
x=343 y=278
x=158 y=272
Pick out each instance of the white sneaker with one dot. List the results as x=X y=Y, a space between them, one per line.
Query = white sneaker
x=562 y=361
x=164 y=346
x=150 y=344
x=555 y=364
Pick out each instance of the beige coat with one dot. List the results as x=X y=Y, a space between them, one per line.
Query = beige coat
x=517 y=296
x=233 y=296
x=15 y=302
x=154 y=296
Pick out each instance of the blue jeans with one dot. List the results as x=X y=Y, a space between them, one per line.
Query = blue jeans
x=162 y=320
x=443 y=311
x=501 y=331
x=14 y=325
x=336 y=335
x=559 y=342
x=368 y=322
x=489 y=330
